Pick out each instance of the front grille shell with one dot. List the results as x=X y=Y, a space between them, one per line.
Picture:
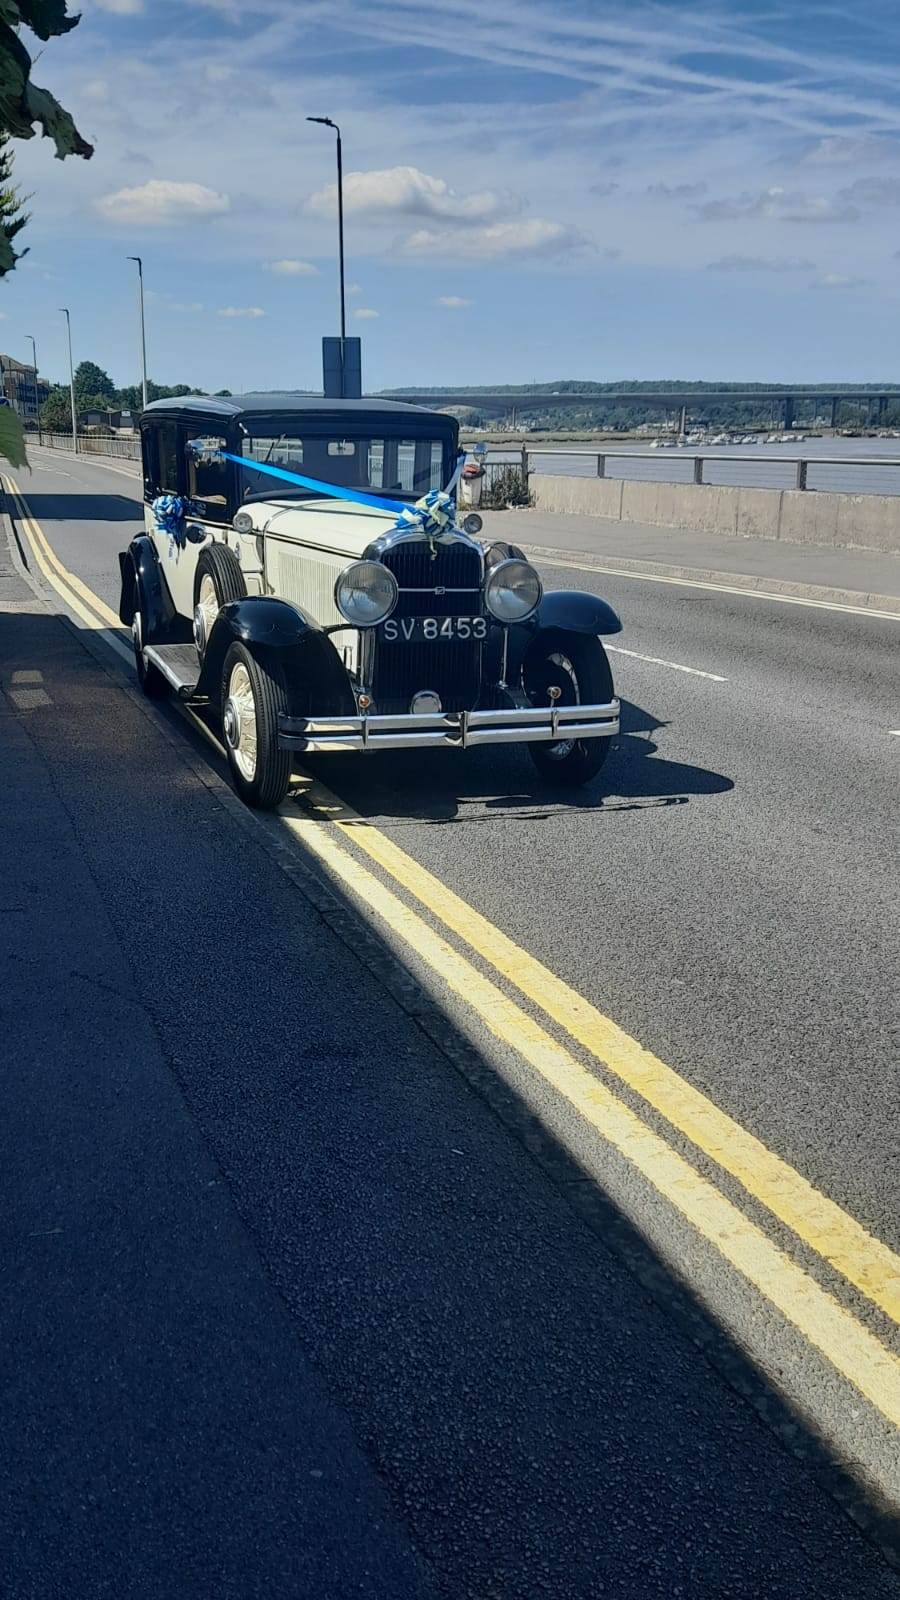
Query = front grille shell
x=435 y=579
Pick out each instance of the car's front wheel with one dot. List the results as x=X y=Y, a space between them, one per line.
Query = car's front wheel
x=218 y=579
x=253 y=697
x=576 y=665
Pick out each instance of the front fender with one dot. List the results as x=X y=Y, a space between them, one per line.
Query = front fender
x=161 y=621
x=577 y=612
x=565 y=611
x=284 y=635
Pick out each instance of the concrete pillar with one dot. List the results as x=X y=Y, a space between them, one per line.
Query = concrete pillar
x=788 y=412
x=835 y=408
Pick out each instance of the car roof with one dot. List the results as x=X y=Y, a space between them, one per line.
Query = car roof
x=243 y=405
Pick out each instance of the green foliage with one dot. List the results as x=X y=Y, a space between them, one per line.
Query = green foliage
x=12 y=216
x=56 y=412
x=506 y=488
x=22 y=104
x=12 y=437
x=91 y=380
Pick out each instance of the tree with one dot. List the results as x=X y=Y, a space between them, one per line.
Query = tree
x=56 y=412
x=12 y=216
x=91 y=381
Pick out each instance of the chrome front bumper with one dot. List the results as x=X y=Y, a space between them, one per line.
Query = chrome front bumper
x=456 y=731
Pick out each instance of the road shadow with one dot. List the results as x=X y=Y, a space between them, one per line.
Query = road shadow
x=501 y=783
x=87 y=507
x=549 y=1404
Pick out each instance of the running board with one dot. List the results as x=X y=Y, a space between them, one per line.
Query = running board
x=178 y=664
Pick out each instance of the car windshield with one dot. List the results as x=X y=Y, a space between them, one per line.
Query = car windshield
x=401 y=469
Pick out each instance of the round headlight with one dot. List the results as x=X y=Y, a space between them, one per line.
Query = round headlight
x=365 y=593
x=513 y=591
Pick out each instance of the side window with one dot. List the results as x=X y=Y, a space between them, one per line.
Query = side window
x=167 y=446
x=207 y=471
x=150 y=457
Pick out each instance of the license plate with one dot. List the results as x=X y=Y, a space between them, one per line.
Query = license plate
x=418 y=630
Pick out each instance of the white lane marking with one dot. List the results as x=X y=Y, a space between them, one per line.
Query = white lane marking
x=722 y=588
x=676 y=666
x=29 y=699
x=94 y=461
x=27 y=677
x=895 y=733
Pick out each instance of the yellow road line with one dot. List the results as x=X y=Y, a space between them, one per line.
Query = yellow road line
x=835 y=1236
x=844 y=1341
x=45 y=556
x=835 y=1332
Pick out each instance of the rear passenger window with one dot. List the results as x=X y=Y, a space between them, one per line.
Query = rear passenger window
x=207 y=471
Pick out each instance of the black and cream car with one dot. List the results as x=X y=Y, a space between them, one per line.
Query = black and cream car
x=304 y=622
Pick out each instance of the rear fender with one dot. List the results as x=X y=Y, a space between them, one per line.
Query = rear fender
x=281 y=636
x=564 y=611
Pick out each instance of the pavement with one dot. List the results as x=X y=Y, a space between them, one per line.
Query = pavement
x=305 y=1291
x=859 y=577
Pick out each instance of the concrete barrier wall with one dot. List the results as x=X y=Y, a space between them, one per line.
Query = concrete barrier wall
x=847 y=521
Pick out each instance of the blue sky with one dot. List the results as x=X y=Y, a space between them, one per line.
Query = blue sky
x=534 y=191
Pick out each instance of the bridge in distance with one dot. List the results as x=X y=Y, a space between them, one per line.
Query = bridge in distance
x=790 y=400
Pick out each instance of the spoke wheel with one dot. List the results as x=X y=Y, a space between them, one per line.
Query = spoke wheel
x=218 y=580
x=253 y=698
x=576 y=665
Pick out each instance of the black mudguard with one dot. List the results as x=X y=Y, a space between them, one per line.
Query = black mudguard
x=565 y=611
x=277 y=632
x=161 y=620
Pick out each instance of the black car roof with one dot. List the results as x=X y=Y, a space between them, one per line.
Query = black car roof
x=249 y=405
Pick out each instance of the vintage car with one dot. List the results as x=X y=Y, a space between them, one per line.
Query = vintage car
x=293 y=585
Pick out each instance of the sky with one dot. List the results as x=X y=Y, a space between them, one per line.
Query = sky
x=534 y=190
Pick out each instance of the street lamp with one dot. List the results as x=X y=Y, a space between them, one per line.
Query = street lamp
x=327 y=123
x=140 y=267
x=30 y=338
x=71 y=382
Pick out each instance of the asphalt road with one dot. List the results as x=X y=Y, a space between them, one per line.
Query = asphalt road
x=504 y=1320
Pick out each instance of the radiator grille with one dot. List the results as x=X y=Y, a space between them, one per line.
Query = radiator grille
x=451 y=668
x=454 y=566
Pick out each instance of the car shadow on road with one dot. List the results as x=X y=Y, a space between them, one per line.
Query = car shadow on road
x=87 y=507
x=501 y=783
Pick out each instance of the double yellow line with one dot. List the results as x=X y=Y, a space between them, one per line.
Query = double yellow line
x=338 y=838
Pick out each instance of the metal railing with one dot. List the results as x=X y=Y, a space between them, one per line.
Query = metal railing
x=88 y=444
x=751 y=468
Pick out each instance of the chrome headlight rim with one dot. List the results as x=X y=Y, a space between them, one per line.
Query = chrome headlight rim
x=500 y=575
x=371 y=613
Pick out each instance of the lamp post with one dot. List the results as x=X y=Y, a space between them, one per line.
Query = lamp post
x=37 y=407
x=71 y=382
x=327 y=123
x=140 y=267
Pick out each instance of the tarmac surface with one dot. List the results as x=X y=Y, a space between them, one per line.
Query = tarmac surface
x=308 y=1289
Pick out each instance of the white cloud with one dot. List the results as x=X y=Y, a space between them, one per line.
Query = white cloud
x=872 y=192
x=847 y=152
x=533 y=237
x=292 y=269
x=161 y=203
x=365 y=314
x=778 y=205
x=835 y=280
x=678 y=191
x=354 y=288
x=760 y=264
x=120 y=8
x=407 y=191
x=452 y=302
x=240 y=311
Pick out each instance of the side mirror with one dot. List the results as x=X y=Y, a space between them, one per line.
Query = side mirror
x=472 y=524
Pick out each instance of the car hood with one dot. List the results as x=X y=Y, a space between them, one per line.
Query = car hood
x=337 y=525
